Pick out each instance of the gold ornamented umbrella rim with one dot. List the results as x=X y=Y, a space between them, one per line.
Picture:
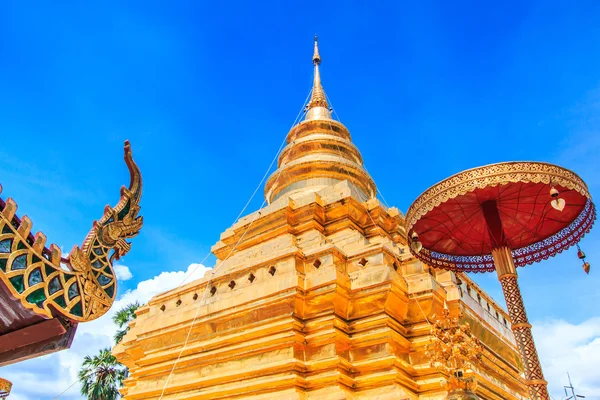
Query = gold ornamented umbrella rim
x=491 y=175
x=448 y=198
x=5 y=387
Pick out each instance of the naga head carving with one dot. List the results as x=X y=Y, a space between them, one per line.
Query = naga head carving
x=82 y=286
x=122 y=222
x=107 y=242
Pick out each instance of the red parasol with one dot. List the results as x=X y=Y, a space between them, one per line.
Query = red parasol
x=500 y=217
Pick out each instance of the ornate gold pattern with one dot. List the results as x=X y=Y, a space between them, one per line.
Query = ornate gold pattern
x=522 y=331
x=514 y=301
x=81 y=287
x=454 y=351
x=5 y=387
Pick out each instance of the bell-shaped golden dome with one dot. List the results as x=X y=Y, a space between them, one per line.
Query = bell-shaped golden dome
x=319 y=152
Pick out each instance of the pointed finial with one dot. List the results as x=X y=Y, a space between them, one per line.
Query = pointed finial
x=317 y=108
x=316 y=56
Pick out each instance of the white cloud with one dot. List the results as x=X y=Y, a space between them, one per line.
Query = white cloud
x=43 y=378
x=573 y=348
x=123 y=273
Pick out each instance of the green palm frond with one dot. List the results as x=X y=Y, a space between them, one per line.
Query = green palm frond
x=122 y=318
x=125 y=315
x=101 y=376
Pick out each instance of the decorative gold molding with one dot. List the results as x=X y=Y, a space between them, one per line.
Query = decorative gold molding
x=454 y=351
x=81 y=287
x=453 y=347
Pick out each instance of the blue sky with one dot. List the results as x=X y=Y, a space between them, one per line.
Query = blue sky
x=206 y=92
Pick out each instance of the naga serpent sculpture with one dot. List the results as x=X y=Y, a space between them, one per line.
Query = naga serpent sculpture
x=82 y=286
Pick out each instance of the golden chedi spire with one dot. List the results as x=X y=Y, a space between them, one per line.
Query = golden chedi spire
x=319 y=152
x=317 y=107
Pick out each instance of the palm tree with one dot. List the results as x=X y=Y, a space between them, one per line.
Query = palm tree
x=122 y=318
x=101 y=376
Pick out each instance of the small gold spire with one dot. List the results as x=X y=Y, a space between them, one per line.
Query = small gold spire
x=316 y=56
x=318 y=100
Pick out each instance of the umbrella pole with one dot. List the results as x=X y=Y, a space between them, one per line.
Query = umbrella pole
x=507 y=274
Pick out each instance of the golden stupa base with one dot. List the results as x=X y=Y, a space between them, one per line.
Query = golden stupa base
x=320 y=300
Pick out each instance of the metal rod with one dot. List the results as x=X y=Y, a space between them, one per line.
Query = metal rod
x=573 y=396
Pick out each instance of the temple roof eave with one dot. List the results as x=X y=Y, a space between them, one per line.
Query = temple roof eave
x=82 y=286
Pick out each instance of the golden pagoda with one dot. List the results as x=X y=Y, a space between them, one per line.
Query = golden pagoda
x=314 y=296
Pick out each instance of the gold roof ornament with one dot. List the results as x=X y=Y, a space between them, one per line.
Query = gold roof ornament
x=454 y=351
